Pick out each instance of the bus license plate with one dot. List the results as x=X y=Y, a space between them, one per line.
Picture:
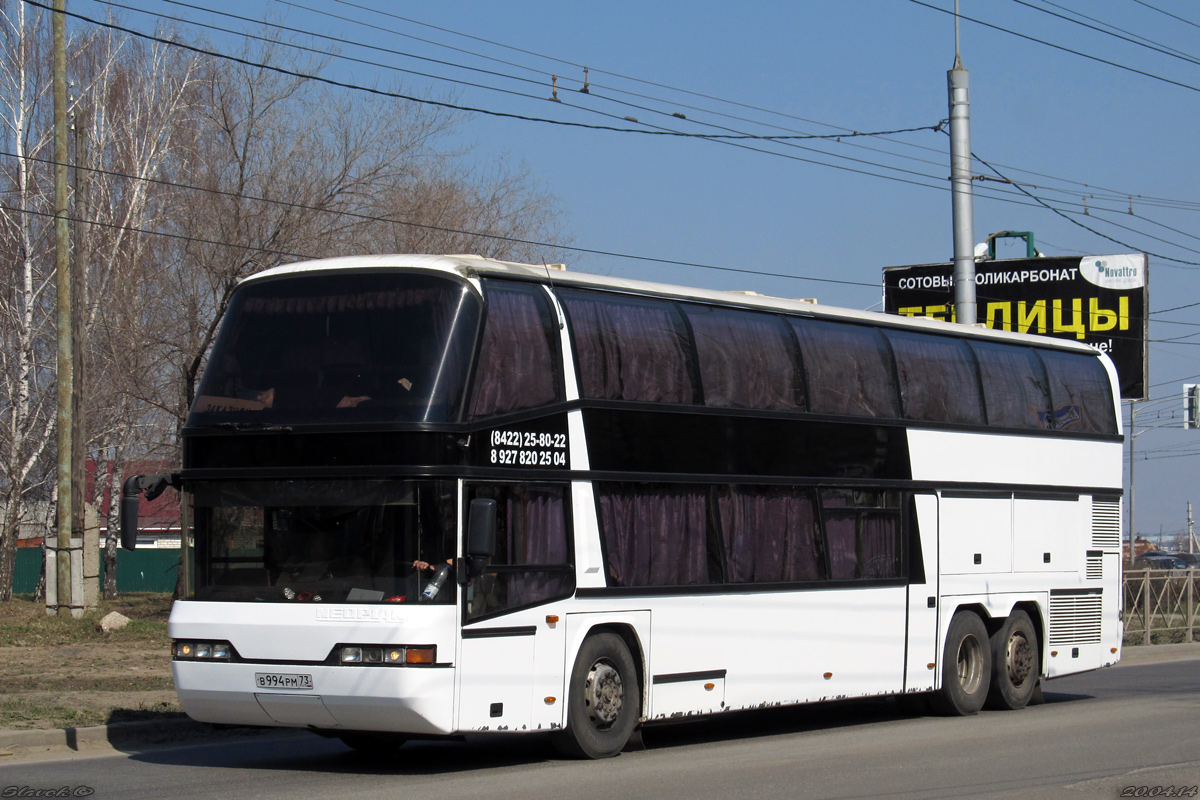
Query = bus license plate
x=282 y=680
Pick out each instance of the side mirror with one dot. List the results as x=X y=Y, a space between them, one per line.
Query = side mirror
x=131 y=500
x=481 y=535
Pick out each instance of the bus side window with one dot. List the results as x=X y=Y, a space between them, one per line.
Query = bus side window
x=532 y=562
x=518 y=365
x=770 y=534
x=848 y=368
x=630 y=348
x=654 y=534
x=1014 y=386
x=745 y=359
x=1080 y=391
x=863 y=533
x=938 y=379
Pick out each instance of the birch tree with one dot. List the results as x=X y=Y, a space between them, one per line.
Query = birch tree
x=27 y=305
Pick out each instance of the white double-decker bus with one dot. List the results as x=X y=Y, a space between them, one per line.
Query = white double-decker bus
x=435 y=495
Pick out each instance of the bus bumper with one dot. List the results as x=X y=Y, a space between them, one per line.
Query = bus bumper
x=392 y=699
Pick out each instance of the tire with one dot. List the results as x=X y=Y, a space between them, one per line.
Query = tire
x=375 y=745
x=603 y=700
x=1015 y=665
x=966 y=668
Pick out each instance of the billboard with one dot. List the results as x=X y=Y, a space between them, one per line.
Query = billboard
x=1098 y=300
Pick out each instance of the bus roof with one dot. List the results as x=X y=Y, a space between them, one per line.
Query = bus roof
x=473 y=267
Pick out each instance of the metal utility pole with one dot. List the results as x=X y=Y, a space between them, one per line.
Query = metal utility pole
x=62 y=247
x=1132 y=439
x=1191 y=535
x=961 y=190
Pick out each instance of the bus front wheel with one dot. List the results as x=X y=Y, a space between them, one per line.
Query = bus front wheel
x=603 y=700
x=966 y=667
x=1014 y=663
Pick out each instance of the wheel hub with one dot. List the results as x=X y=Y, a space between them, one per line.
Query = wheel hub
x=603 y=695
x=1018 y=658
x=970 y=664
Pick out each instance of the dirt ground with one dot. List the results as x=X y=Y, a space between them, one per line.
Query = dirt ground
x=60 y=673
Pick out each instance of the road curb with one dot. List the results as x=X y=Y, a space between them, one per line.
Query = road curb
x=116 y=733
x=1158 y=653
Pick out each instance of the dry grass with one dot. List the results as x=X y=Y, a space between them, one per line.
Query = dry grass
x=62 y=672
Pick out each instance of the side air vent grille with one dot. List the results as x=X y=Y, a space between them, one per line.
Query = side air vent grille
x=1075 y=619
x=1095 y=568
x=1106 y=524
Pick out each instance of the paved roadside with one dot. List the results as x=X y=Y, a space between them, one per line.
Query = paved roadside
x=1158 y=653
x=121 y=737
x=135 y=737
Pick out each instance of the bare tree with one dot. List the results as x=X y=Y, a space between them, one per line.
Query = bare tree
x=136 y=118
x=192 y=174
x=499 y=213
x=26 y=307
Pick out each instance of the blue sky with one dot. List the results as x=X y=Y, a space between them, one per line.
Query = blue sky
x=1080 y=133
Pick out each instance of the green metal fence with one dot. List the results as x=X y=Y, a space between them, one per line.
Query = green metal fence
x=146 y=570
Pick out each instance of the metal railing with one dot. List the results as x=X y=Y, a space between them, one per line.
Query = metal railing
x=1160 y=606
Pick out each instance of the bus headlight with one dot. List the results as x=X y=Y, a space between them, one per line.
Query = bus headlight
x=386 y=655
x=201 y=651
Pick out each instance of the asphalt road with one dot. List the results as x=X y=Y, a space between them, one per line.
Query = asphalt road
x=1096 y=735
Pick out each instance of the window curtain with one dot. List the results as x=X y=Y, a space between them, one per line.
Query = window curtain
x=880 y=544
x=769 y=535
x=1080 y=391
x=745 y=359
x=516 y=359
x=654 y=535
x=629 y=349
x=536 y=536
x=847 y=368
x=1014 y=386
x=937 y=378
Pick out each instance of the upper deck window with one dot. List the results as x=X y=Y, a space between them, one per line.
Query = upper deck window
x=347 y=347
x=745 y=358
x=849 y=368
x=630 y=348
x=937 y=375
x=518 y=359
x=1081 y=392
x=1014 y=385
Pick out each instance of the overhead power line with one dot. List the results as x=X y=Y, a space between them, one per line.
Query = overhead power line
x=1079 y=53
x=441 y=229
x=1089 y=228
x=731 y=139
x=1168 y=13
x=1132 y=39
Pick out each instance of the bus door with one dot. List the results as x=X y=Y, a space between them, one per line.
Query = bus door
x=511 y=655
x=923 y=645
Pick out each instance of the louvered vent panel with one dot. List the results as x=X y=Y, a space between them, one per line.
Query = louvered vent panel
x=1075 y=619
x=1106 y=524
x=1095 y=568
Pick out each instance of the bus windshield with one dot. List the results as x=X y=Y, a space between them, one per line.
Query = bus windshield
x=331 y=541
x=335 y=348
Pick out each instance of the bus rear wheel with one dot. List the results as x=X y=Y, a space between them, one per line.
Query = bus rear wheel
x=1014 y=663
x=603 y=700
x=966 y=667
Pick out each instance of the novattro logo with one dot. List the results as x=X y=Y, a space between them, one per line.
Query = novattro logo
x=1114 y=272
